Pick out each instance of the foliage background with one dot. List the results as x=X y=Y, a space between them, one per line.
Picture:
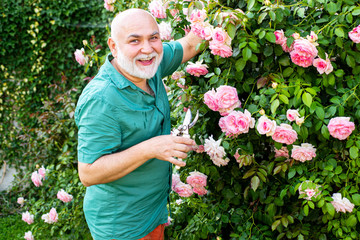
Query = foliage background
x=39 y=91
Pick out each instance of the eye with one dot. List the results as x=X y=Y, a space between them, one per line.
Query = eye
x=154 y=38
x=134 y=41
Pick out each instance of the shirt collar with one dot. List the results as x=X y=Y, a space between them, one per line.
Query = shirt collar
x=117 y=78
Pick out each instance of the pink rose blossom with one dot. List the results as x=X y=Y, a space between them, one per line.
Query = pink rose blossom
x=196 y=179
x=80 y=56
x=200 y=191
x=177 y=75
x=305 y=152
x=220 y=36
x=199 y=149
x=310 y=189
x=51 y=217
x=215 y=151
x=211 y=100
x=340 y=127
x=36 y=179
x=179 y=201
x=227 y=99
x=341 y=204
x=296 y=35
x=303 y=53
x=64 y=196
x=323 y=66
x=29 y=236
x=283 y=152
x=175 y=180
x=108 y=7
x=184 y=190
x=20 y=201
x=236 y=123
x=42 y=172
x=286 y=48
x=156 y=7
x=165 y=31
x=284 y=134
x=197 y=69
x=168 y=222
x=219 y=49
x=207 y=32
x=198 y=16
x=280 y=37
x=27 y=217
x=299 y=121
x=292 y=114
x=266 y=126
x=312 y=37
x=354 y=35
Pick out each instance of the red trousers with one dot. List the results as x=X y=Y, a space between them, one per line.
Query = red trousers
x=156 y=234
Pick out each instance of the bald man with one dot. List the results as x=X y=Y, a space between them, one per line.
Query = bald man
x=125 y=152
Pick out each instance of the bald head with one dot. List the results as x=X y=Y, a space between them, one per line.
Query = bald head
x=127 y=18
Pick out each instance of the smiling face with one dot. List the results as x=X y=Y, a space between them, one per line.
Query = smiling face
x=136 y=45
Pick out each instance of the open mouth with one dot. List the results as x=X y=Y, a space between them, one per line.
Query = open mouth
x=146 y=61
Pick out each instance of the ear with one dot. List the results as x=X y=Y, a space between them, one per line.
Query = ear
x=112 y=46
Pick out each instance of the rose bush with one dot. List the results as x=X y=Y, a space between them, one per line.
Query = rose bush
x=290 y=68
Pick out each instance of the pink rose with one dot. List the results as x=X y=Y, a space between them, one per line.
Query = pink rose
x=36 y=179
x=292 y=114
x=29 y=236
x=200 y=190
x=20 y=201
x=177 y=75
x=236 y=123
x=42 y=172
x=211 y=100
x=280 y=37
x=207 y=31
x=196 y=179
x=198 y=16
x=305 y=152
x=64 y=196
x=323 y=66
x=179 y=201
x=165 y=31
x=341 y=204
x=354 y=35
x=284 y=134
x=219 y=49
x=108 y=7
x=197 y=69
x=296 y=35
x=156 y=7
x=312 y=37
x=299 y=121
x=221 y=37
x=227 y=99
x=168 y=222
x=27 y=217
x=303 y=53
x=283 y=152
x=51 y=217
x=340 y=127
x=310 y=189
x=184 y=190
x=175 y=180
x=286 y=48
x=80 y=56
x=215 y=151
x=266 y=126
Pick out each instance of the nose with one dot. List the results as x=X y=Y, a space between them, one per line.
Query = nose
x=147 y=47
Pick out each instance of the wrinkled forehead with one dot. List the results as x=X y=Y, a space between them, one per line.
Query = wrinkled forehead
x=134 y=23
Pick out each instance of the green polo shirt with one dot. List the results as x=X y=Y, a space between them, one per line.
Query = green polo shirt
x=112 y=115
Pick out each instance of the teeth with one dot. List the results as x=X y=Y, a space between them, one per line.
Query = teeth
x=145 y=59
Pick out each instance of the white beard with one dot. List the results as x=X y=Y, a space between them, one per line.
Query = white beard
x=143 y=72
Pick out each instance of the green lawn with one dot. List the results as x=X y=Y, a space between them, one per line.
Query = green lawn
x=12 y=227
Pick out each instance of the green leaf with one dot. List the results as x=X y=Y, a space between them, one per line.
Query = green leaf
x=288 y=71
x=275 y=225
x=349 y=18
x=240 y=64
x=356 y=11
x=350 y=60
x=246 y=52
x=250 y=4
x=306 y=210
x=351 y=221
x=268 y=51
x=311 y=204
x=255 y=181
x=291 y=173
x=332 y=8
x=339 y=42
x=270 y=36
x=356 y=199
x=320 y=112
x=274 y=105
x=354 y=152
x=261 y=17
x=330 y=209
x=284 y=99
x=231 y=30
x=284 y=222
x=325 y=132
x=262 y=34
x=272 y=15
x=307 y=99
x=339 y=32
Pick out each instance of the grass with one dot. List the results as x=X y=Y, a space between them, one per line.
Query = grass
x=12 y=227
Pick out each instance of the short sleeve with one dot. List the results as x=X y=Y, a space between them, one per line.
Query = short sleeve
x=98 y=131
x=173 y=54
